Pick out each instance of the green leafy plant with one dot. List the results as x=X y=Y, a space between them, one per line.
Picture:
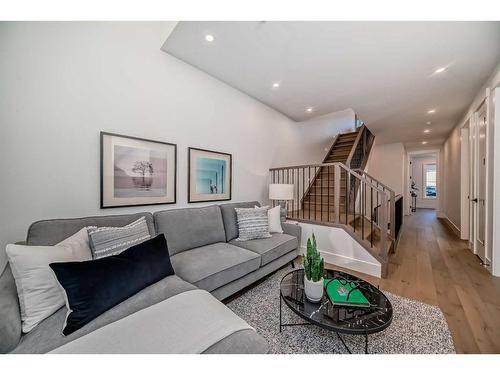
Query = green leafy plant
x=314 y=264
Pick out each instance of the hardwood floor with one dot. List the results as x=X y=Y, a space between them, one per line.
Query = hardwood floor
x=433 y=266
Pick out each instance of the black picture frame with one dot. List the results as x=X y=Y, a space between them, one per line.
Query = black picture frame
x=190 y=183
x=103 y=204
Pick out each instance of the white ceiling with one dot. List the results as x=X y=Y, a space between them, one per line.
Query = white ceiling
x=384 y=71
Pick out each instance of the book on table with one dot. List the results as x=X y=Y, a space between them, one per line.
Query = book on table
x=345 y=293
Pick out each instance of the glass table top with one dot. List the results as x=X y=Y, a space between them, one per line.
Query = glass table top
x=343 y=319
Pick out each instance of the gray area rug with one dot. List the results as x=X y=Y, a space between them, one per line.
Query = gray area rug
x=416 y=327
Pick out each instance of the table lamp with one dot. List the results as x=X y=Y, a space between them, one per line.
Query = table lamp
x=281 y=193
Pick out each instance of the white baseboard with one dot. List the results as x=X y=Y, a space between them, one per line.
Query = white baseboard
x=440 y=214
x=451 y=225
x=373 y=269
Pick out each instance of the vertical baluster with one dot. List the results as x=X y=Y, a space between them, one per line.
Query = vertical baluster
x=354 y=204
x=371 y=217
x=289 y=181
x=309 y=185
x=294 y=204
x=346 y=199
x=336 y=196
x=303 y=191
x=363 y=201
x=383 y=226
x=392 y=215
x=328 y=195
x=315 y=200
x=321 y=193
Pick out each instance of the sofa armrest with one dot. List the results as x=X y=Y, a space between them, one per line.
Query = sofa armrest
x=10 y=321
x=292 y=229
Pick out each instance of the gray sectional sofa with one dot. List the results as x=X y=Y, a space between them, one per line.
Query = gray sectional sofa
x=204 y=254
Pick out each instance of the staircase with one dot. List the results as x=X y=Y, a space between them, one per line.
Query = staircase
x=337 y=192
x=317 y=198
x=321 y=188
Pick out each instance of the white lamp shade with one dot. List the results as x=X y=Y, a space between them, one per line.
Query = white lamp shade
x=281 y=192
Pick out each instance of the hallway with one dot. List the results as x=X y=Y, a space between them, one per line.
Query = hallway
x=433 y=266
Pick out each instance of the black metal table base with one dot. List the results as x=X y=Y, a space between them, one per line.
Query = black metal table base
x=309 y=324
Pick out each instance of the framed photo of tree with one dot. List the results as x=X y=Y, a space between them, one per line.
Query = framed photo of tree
x=137 y=171
x=209 y=175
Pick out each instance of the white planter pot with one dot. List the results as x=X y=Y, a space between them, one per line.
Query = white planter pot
x=313 y=289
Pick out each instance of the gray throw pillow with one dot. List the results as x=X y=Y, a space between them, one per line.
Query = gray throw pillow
x=106 y=241
x=253 y=223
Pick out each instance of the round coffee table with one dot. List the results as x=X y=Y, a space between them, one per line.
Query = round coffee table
x=339 y=319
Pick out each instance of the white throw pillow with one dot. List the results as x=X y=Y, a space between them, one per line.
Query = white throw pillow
x=39 y=292
x=273 y=216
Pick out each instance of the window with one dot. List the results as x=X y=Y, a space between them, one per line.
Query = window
x=430 y=181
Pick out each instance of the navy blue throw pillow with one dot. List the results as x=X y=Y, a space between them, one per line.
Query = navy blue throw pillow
x=93 y=287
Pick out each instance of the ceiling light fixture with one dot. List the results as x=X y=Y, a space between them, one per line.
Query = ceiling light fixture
x=431 y=111
x=424 y=142
x=427 y=131
x=309 y=109
x=209 y=38
x=428 y=122
x=440 y=70
x=276 y=85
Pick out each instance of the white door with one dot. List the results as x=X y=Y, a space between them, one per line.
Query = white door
x=480 y=196
x=464 y=183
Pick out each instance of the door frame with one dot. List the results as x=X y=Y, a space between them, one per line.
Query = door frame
x=483 y=107
x=465 y=181
x=435 y=151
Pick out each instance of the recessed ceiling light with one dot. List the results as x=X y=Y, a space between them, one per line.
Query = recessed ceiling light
x=440 y=70
x=430 y=111
x=428 y=122
x=276 y=85
x=309 y=109
x=427 y=131
x=209 y=38
x=424 y=142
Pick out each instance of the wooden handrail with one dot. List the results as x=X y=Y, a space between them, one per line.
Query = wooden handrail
x=360 y=171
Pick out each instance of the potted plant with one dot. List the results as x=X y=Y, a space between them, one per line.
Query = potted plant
x=313 y=272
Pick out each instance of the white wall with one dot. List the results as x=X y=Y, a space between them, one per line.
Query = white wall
x=64 y=82
x=317 y=135
x=418 y=177
x=451 y=197
x=387 y=164
x=339 y=248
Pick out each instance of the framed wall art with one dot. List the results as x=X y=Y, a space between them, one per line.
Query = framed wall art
x=209 y=175
x=137 y=171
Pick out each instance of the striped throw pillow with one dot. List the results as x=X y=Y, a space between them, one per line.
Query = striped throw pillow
x=106 y=241
x=252 y=223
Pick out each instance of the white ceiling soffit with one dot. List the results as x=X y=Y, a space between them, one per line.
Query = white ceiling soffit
x=385 y=71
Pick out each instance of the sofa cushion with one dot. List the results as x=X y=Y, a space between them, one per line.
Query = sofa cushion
x=106 y=241
x=39 y=293
x=253 y=223
x=50 y=232
x=95 y=286
x=270 y=248
x=246 y=341
x=212 y=266
x=47 y=335
x=230 y=219
x=188 y=228
x=10 y=316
